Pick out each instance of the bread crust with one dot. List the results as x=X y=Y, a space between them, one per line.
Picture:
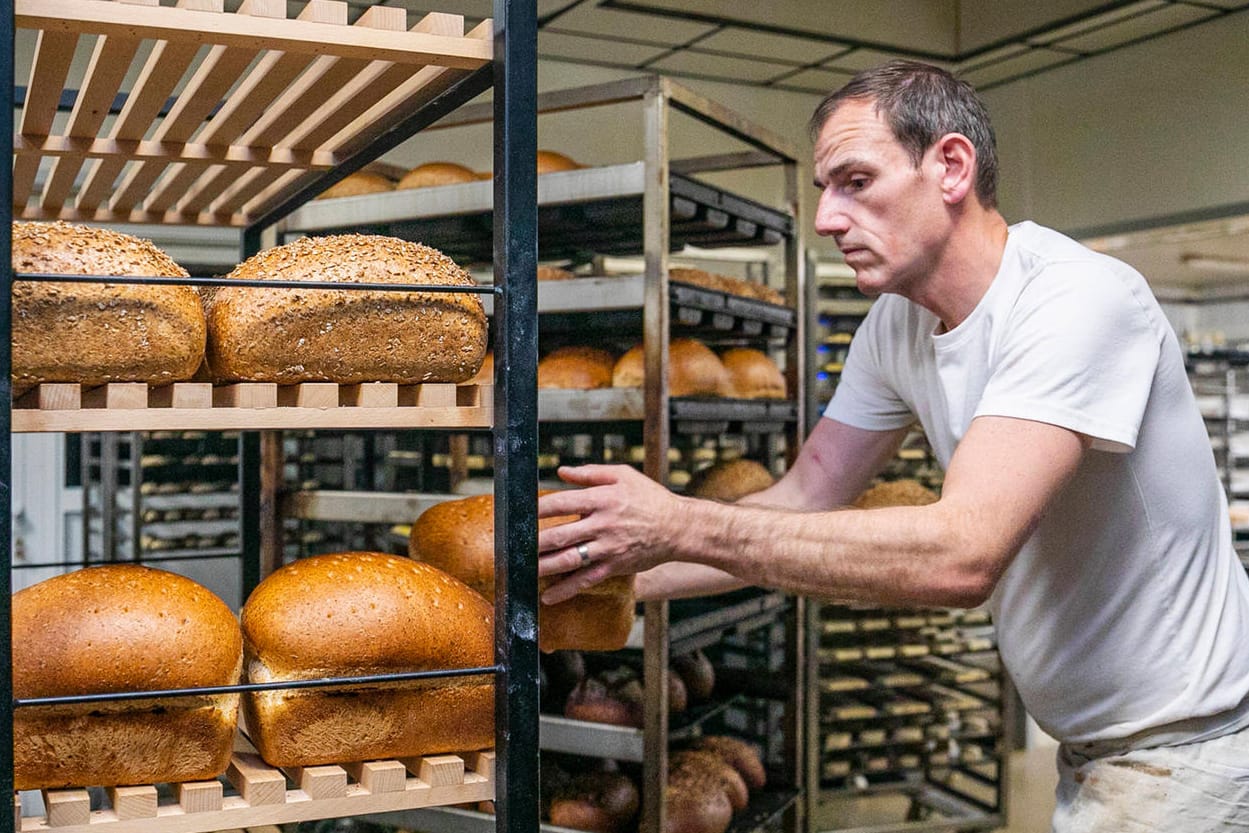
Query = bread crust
x=576 y=367
x=905 y=492
x=753 y=374
x=730 y=480
x=358 y=184
x=362 y=613
x=458 y=536
x=550 y=161
x=115 y=628
x=433 y=174
x=98 y=333
x=289 y=336
x=693 y=369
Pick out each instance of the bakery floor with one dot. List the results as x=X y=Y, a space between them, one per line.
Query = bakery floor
x=1031 y=799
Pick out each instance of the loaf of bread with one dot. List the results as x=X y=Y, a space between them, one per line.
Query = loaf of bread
x=713 y=765
x=485 y=373
x=458 y=536
x=616 y=696
x=576 y=367
x=696 y=798
x=693 y=369
x=363 y=613
x=752 y=374
x=601 y=802
x=550 y=161
x=730 y=480
x=322 y=335
x=698 y=674
x=358 y=184
x=742 y=755
x=96 y=333
x=895 y=493
x=726 y=283
x=118 y=628
x=554 y=273
x=433 y=174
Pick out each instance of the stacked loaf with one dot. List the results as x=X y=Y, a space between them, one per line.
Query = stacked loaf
x=730 y=480
x=458 y=536
x=122 y=628
x=695 y=370
x=360 y=614
x=95 y=333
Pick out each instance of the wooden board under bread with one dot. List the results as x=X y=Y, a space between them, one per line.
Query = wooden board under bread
x=268 y=796
x=127 y=406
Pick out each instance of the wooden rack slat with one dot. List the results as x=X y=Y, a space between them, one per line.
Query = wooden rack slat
x=269 y=796
x=128 y=406
x=251 y=123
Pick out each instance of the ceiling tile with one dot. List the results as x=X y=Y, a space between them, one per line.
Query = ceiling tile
x=593 y=19
x=782 y=48
x=1225 y=4
x=866 y=58
x=993 y=56
x=1150 y=23
x=553 y=43
x=1097 y=22
x=1023 y=63
x=815 y=80
x=690 y=62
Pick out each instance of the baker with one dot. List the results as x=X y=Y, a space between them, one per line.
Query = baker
x=1081 y=501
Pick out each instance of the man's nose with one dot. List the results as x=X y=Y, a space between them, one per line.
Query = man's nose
x=830 y=216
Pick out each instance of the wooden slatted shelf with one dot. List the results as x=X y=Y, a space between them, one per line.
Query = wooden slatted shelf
x=269 y=796
x=267 y=103
x=128 y=406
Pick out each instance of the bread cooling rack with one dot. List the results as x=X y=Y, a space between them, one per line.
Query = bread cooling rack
x=269 y=796
x=269 y=105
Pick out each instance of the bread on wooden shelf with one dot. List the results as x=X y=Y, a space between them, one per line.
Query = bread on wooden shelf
x=433 y=174
x=693 y=369
x=319 y=335
x=576 y=367
x=753 y=374
x=95 y=333
x=458 y=536
x=358 y=184
x=117 y=628
x=364 y=613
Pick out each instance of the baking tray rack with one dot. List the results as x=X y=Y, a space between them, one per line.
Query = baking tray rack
x=580 y=213
x=689 y=415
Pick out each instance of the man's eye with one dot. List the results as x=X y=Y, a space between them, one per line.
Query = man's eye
x=856 y=183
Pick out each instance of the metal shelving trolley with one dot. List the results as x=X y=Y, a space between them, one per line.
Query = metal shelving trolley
x=190 y=114
x=642 y=216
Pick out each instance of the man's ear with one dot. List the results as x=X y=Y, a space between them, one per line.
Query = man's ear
x=956 y=159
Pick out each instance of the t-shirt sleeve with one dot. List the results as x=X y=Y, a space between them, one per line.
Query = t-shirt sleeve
x=863 y=397
x=1080 y=352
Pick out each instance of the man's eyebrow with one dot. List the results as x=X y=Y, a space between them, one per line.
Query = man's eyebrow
x=839 y=169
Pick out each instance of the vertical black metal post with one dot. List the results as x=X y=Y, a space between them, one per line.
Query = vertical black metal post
x=516 y=413
x=7 y=820
x=249 y=469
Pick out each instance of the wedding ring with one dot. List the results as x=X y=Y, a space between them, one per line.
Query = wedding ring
x=583 y=550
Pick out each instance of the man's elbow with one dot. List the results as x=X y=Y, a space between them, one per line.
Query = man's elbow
x=972 y=576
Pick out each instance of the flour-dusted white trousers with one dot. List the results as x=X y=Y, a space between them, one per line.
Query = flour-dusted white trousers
x=1192 y=788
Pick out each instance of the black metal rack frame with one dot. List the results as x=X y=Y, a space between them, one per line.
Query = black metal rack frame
x=513 y=76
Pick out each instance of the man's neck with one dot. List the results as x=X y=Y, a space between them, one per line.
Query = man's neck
x=965 y=268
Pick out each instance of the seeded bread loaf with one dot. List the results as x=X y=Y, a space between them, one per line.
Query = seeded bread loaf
x=96 y=333
x=358 y=614
x=117 y=628
x=320 y=335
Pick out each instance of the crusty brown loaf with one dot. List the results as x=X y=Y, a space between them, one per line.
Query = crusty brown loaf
x=289 y=336
x=696 y=799
x=753 y=374
x=485 y=373
x=458 y=536
x=730 y=480
x=362 y=613
x=895 y=493
x=698 y=674
x=742 y=755
x=122 y=628
x=358 y=184
x=601 y=802
x=702 y=761
x=97 y=333
x=550 y=161
x=576 y=367
x=693 y=369
x=433 y=174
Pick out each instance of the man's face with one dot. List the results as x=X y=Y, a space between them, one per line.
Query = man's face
x=886 y=215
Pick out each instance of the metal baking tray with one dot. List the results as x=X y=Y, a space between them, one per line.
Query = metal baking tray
x=591 y=210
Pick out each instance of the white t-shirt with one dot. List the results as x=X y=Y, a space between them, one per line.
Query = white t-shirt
x=1127 y=610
